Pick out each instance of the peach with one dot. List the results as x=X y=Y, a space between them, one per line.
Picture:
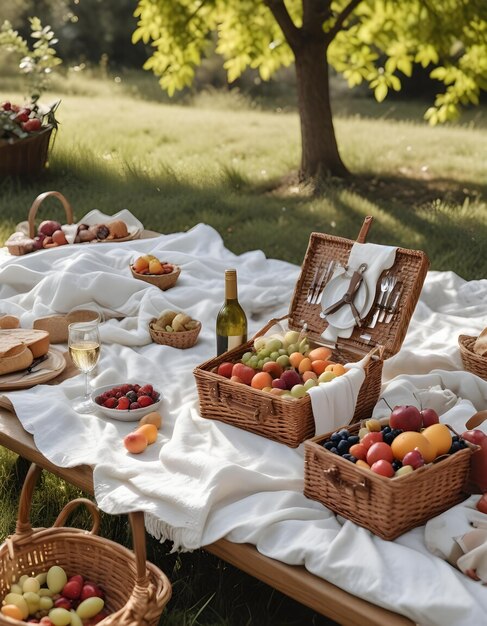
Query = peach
x=320 y=354
x=261 y=380
x=318 y=366
x=336 y=368
x=135 y=442
x=149 y=431
x=236 y=379
x=155 y=267
x=152 y=418
x=277 y=392
x=140 y=264
x=244 y=372
x=309 y=376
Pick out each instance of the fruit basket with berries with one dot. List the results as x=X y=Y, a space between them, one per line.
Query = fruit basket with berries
x=71 y=576
x=154 y=271
x=288 y=418
x=392 y=474
x=25 y=133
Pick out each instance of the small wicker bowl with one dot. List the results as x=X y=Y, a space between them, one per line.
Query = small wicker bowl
x=472 y=362
x=163 y=281
x=181 y=339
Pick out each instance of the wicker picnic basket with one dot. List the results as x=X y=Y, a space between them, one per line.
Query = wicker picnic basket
x=182 y=339
x=472 y=362
x=25 y=157
x=163 y=281
x=386 y=506
x=291 y=421
x=136 y=590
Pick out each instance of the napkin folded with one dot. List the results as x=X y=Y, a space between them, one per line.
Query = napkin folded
x=378 y=258
x=333 y=403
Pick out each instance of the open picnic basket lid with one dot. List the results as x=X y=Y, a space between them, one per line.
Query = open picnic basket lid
x=410 y=268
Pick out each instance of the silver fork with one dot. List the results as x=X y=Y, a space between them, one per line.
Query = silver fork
x=324 y=278
x=384 y=287
x=387 y=299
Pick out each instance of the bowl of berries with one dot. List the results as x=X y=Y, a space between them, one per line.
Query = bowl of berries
x=126 y=402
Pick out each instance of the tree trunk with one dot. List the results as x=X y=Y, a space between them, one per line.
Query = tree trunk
x=319 y=156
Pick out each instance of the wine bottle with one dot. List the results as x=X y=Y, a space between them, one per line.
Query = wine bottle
x=231 y=321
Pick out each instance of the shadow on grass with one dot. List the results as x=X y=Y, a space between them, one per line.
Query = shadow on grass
x=445 y=218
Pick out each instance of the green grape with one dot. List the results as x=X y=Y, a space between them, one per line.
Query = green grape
x=298 y=391
x=253 y=361
x=274 y=356
x=259 y=344
x=293 y=347
x=246 y=356
x=282 y=351
x=283 y=360
x=273 y=344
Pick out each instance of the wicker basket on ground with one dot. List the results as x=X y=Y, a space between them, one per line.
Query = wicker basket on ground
x=136 y=590
x=472 y=362
x=181 y=339
x=25 y=157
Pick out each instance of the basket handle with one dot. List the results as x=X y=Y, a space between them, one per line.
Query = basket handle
x=476 y=420
x=258 y=411
x=333 y=476
x=73 y=504
x=37 y=203
x=269 y=325
x=362 y=236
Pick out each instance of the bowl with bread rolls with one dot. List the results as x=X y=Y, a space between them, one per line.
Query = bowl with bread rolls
x=150 y=269
x=174 y=328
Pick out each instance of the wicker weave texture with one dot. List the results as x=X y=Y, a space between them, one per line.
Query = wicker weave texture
x=387 y=507
x=163 y=281
x=285 y=420
x=472 y=362
x=25 y=157
x=182 y=339
x=136 y=590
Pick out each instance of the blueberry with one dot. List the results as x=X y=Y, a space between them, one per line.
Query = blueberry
x=396 y=464
x=328 y=445
x=456 y=446
x=334 y=450
x=344 y=434
x=386 y=429
x=343 y=446
x=350 y=458
x=353 y=439
x=395 y=432
x=388 y=438
x=336 y=437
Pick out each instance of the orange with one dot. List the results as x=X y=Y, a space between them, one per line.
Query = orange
x=440 y=436
x=261 y=380
x=149 y=431
x=12 y=610
x=320 y=354
x=295 y=358
x=408 y=441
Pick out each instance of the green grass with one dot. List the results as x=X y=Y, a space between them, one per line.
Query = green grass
x=224 y=159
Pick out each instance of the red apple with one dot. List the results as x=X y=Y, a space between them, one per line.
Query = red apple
x=414 y=459
x=429 y=416
x=48 y=227
x=474 y=436
x=225 y=369
x=406 y=417
x=244 y=372
x=379 y=450
x=371 y=438
x=384 y=468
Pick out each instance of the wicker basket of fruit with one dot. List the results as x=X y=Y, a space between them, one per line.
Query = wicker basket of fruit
x=159 y=273
x=289 y=420
x=76 y=577
x=176 y=329
x=387 y=477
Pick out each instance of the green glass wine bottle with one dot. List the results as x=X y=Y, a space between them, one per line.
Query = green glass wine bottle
x=231 y=321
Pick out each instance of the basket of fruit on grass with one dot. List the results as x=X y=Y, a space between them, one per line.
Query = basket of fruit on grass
x=61 y=575
x=151 y=270
x=25 y=132
x=392 y=474
x=174 y=328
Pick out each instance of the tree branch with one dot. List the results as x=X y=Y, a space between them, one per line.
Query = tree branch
x=337 y=27
x=290 y=30
x=315 y=12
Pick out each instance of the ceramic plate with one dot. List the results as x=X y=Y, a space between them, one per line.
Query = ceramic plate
x=123 y=416
x=335 y=290
x=45 y=371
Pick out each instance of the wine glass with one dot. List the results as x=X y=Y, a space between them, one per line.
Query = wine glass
x=84 y=349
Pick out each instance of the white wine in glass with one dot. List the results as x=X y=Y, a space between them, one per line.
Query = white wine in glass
x=84 y=350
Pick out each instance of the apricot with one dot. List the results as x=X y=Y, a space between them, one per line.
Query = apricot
x=319 y=365
x=12 y=611
x=149 y=431
x=309 y=376
x=295 y=358
x=336 y=368
x=304 y=365
x=155 y=267
x=135 y=442
x=261 y=380
x=320 y=354
x=140 y=264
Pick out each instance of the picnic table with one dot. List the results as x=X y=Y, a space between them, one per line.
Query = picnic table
x=219 y=524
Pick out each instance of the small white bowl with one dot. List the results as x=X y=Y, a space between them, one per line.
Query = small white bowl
x=129 y=415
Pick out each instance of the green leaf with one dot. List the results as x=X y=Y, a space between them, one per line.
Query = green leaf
x=380 y=92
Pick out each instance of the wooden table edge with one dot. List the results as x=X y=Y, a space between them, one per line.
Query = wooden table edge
x=292 y=580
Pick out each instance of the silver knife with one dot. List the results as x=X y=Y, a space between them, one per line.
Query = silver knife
x=393 y=307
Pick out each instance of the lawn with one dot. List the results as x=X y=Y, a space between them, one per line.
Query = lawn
x=226 y=160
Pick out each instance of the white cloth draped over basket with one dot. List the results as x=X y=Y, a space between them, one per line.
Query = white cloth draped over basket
x=203 y=480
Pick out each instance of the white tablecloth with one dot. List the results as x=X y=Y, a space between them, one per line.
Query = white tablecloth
x=204 y=480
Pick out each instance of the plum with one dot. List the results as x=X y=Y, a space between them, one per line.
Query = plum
x=48 y=227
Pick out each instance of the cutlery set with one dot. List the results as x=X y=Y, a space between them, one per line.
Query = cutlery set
x=384 y=307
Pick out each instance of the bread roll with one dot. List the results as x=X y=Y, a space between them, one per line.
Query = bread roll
x=17 y=358
x=118 y=229
x=9 y=321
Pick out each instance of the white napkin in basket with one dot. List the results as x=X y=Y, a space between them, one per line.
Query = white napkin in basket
x=378 y=258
